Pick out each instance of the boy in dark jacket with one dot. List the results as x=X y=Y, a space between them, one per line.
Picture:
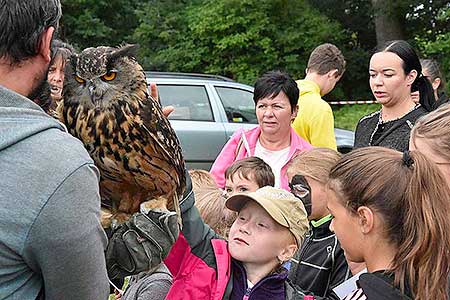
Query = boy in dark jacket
x=319 y=265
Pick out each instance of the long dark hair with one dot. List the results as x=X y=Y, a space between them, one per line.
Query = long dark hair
x=411 y=62
x=413 y=199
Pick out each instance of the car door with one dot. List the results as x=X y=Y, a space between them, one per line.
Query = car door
x=193 y=119
x=238 y=105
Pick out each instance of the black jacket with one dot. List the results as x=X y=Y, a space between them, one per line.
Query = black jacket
x=319 y=265
x=443 y=99
x=391 y=134
x=378 y=286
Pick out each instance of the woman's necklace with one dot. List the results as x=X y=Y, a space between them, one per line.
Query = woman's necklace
x=383 y=119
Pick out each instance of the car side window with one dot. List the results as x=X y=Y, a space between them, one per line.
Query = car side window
x=238 y=105
x=191 y=102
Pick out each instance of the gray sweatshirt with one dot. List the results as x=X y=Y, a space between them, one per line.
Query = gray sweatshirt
x=149 y=286
x=51 y=241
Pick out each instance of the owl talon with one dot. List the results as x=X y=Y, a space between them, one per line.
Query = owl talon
x=120 y=218
x=105 y=217
x=158 y=205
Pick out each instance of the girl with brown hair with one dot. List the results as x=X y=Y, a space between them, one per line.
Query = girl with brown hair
x=391 y=212
x=431 y=136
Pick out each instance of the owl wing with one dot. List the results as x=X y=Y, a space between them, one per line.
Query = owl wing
x=166 y=143
x=151 y=159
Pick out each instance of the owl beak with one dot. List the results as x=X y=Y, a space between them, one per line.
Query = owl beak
x=94 y=96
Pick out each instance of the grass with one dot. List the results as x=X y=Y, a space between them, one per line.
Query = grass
x=347 y=116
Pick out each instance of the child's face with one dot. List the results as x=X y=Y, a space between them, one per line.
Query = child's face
x=318 y=199
x=55 y=77
x=238 y=184
x=315 y=201
x=257 y=239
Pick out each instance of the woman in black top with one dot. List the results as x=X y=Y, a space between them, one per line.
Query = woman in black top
x=395 y=72
x=391 y=211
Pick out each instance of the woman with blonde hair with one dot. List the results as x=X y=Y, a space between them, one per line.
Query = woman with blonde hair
x=431 y=136
x=391 y=211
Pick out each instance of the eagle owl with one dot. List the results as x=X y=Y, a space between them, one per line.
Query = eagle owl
x=107 y=106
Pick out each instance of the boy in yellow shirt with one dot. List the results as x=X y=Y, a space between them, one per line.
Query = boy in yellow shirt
x=315 y=121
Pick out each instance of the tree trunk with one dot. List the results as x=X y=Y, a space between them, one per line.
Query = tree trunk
x=388 y=24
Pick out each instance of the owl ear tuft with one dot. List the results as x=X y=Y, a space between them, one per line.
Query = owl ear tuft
x=128 y=50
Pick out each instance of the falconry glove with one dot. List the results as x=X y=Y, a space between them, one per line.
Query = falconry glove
x=141 y=243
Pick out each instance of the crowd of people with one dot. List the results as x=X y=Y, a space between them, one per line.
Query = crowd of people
x=280 y=215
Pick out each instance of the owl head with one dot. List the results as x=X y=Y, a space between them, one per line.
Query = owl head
x=102 y=76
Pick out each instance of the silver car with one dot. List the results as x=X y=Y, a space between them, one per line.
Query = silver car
x=208 y=110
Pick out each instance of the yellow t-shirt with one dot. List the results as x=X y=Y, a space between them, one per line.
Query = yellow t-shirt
x=314 y=121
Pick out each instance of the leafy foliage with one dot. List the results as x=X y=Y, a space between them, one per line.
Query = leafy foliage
x=437 y=44
x=88 y=23
x=243 y=39
x=238 y=39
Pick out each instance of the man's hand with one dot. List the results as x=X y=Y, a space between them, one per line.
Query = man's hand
x=167 y=110
x=154 y=91
x=141 y=243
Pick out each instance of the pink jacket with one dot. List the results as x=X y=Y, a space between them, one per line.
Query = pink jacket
x=193 y=277
x=230 y=153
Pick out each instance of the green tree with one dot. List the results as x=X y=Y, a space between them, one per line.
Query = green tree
x=435 y=42
x=88 y=23
x=162 y=25
x=423 y=23
x=239 y=39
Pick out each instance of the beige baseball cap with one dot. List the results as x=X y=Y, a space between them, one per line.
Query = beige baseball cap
x=286 y=209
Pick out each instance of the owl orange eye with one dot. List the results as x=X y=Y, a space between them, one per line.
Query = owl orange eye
x=79 y=79
x=109 y=76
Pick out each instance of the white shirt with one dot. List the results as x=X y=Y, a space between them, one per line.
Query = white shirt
x=275 y=159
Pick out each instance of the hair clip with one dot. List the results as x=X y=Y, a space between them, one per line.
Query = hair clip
x=407 y=159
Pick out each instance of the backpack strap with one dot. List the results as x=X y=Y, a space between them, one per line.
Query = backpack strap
x=242 y=142
x=238 y=148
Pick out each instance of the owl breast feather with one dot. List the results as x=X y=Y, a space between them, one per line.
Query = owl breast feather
x=135 y=149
